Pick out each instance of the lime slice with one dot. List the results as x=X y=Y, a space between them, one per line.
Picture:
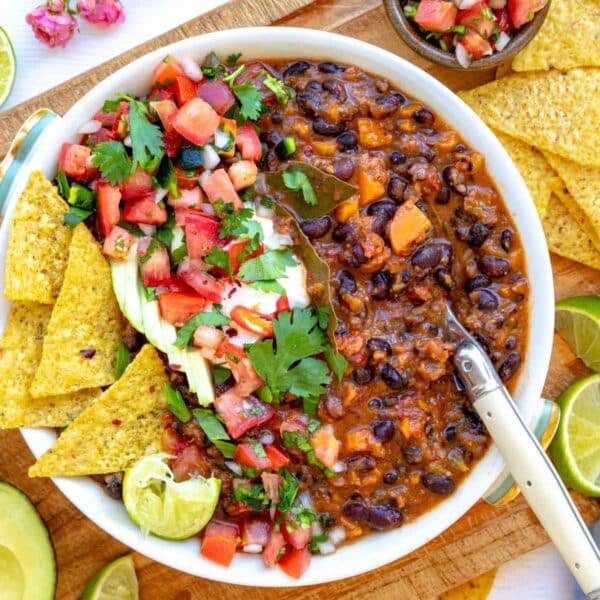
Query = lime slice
x=576 y=447
x=115 y=581
x=8 y=66
x=578 y=321
x=163 y=507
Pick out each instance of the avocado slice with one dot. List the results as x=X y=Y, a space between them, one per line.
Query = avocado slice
x=27 y=565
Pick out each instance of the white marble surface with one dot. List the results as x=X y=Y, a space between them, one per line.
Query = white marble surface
x=537 y=575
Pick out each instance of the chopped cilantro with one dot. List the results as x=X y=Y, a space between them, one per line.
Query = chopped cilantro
x=215 y=318
x=460 y=29
x=249 y=248
x=212 y=66
x=250 y=100
x=288 y=490
x=249 y=472
x=75 y=215
x=336 y=361
x=306 y=516
x=233 y=75
x=299 y=181
x=443 y=45
x=269 y=285
x=63 y=184
x=167 y=178
x=132 y=228
x=152 y=247
x=310 y=404
x=123 y=359
x=410 y=10
x=293 y=439
x=236 y=223
x=267 y=202
x=113 y=161
x=282 y=92
x=110 y=106
x=217 y=257
x=164 y=232
x=149 y=293
x=315 y=540
x=233 y=58
x=177 y=404
x=267 y=266
x=253 y=497
x=214 y=431
x=179 y=254
x=221 y=374
x=323 y=316
x=258 y=449
x=313 y=425
x=495 y=34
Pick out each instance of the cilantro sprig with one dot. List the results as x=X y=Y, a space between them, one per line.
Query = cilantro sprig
x=268 y=266
x=113 y=161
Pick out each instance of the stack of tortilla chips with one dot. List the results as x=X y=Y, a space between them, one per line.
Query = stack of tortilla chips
x=547 y=116
x=59 y=349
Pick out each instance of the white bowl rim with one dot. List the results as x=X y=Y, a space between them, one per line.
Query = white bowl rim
x=368 y=553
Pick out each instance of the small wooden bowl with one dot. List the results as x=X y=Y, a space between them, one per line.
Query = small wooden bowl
x=408 y=33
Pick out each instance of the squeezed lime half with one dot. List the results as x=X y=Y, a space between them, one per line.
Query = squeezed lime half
x=116 y=581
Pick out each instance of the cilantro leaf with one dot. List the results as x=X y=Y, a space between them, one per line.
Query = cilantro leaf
x=269 y=285
x=288 y=490
x=221 y=374
x=238 y=223
x=146 y=137
x=111 y=106
x=113 y=161
x=323 y=316
x=212 y=66
x=164 y=232
x=75 y=215
x=282 y=92
x=149 y=293
x=310 y=404
x=217 y=257
x=177 y=404
x=336 y=361
x=123 y=359
x=178 y=254
x=299 y=181
x=215 y=318
x=214 y=431
x=253 y=497
x=250 y=99
x=249 y=248
x=315 y=540
x=270 y=265
x=233 y=58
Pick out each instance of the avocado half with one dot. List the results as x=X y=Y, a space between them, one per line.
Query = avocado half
x=27 y=565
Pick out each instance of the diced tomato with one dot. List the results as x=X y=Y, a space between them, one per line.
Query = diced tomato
x=246 y=378
x=295 y=562
x=139 y=184
x=475 y=17
x=106 y=118
x=118 y=242
x=218 y=95
x=196 y=121
x=295 y=534
x=107 y=200
x=247 y=141
x=274 y=549
x=234 y=252
x=241 y=414
x=185 y=89
x=245 y=455
x=254 y=73
x=172 y=142
x=165 y=109
x=145 y=210
x=228 y=348
x=219 y=543
x=218 y=186
x=282 y=305
x=522 y=11
x=201 y=234
x=172 y=442
x=503 y=19
x=185 y=182
x=166 y=71
x=255 y=531
x=242 y=174
x=121 y=124
x=253 y=321
x=294 y=421
x=436 y=15
x=157 y=94
x=102 y=135
x=155 y=265
x=189 y=462
x=178 y=307
x=189 y=198
x=277 y=457
x=475 y=45
x=207 y=336
x=325 y=445
x=76 y=161
x=194 y=274
x=176 y=284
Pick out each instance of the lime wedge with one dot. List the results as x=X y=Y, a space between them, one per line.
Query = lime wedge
x=576 y=447
x=115 y=581
x=161 y=506
x=8 y=66
x=578 y=321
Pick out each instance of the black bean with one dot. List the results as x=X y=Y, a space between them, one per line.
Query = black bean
x=478 y=281
x=343 y=168
x=386 y=207
x=506 y=239
x=459 y=148
x=455 y=179
x=413 y=455
x=393 y=378
x=404 y=276
x=478 y=233
x=323 y=127
x=342 y=232
x=443 y=196
x=427 y=256
x=362 y=375
x=510 y=365
x=379 y=225
x=385 y=105
x=424 y=116
x=473 y=421
x=360 y=463
x=449 y=432
x=401 y=97
x=329 y=67
x=317 y=227
x=347 y=140
x=428 y=154
x=377 y=344
x=381 y=284
x=313 y=86
x=396 y=187
x=335 y=88
x=397 y=158
x=511 y=342
x=493 y=266
x=384 y=430
x=347 y=281
x=296 y=68
x=390 y=476
x=484 y=299
x=271 y=138
x=438 y=484
x=276 y=117
x=483 y=342
x=375 y=403
x=444 y=278
x=383 y=516
x=356 y=510
x=358 y=256
x=309 y=101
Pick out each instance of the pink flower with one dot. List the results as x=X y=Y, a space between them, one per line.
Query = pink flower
x=51 y=25
x=101 y=12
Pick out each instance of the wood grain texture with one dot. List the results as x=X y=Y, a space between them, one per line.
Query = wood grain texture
x=484 y=538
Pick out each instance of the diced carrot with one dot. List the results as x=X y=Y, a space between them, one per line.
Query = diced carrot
x=408 y=227
x=371 y=134
x=346 y=209
x=363 y=440
x=369 y=188
x=325 y=148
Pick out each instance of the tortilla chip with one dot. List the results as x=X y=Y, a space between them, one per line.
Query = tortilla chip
x=83 y=335
x=565 y=237
x=125 y=423
x=554 y=111
x=38 y=242
x=476 y=589
x=20 y=353
x=534 y=168
x=569 y=37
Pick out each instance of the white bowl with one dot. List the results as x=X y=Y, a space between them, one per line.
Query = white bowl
x=274 y=42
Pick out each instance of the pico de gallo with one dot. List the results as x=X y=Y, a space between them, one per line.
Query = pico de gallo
x=471 y=29
x=300 y=226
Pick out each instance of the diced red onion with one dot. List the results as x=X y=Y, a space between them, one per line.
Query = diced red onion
x=90 y=127
x=464 y=4
x=462 y=56
x=266 y=437
x=339 y=467
x=191 y=68
x=305 y=500
x=252 y=548
x=337 y=535
x=233 y=467
x=159 y=194
x=326 y=547
x=210 y=158
x=207 y=209
x=127 y=141
x=502 y=40
x=497 y=4
x=147 y=229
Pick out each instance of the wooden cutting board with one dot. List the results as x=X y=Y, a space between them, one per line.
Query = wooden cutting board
x=484 y=538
